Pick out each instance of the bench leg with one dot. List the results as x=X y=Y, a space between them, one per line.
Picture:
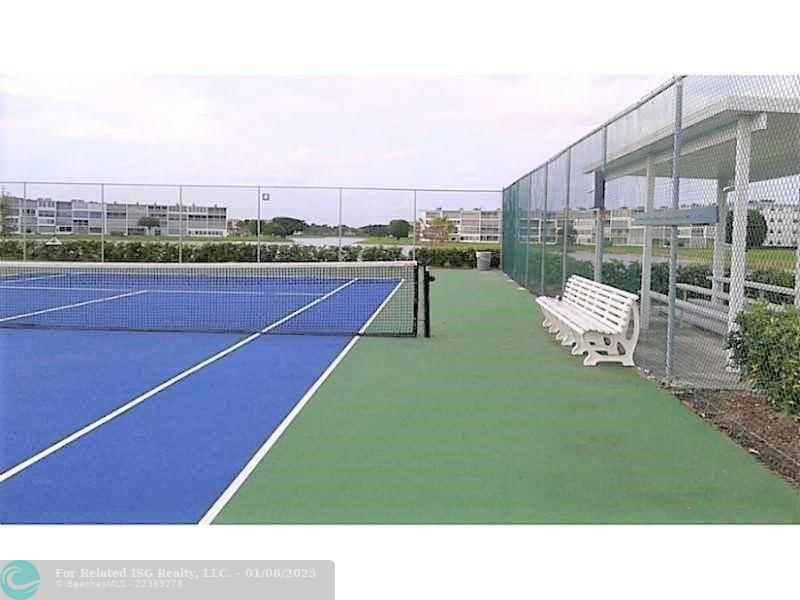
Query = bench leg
x=549 y=320
x=552 y=324
x=605 y=348
x=567 y=337
x=555 y=326
x=580 y=347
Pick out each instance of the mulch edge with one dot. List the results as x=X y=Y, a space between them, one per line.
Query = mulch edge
x=778 y=460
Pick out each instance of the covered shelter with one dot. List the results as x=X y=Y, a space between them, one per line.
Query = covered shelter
x=735 y=141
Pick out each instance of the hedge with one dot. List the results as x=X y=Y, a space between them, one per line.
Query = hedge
x=128 y=251
x=766 y=350
x=623 y=275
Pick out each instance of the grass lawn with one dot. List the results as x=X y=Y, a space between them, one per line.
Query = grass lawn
x=390 y=241
x=761 y=258
x=387 y=241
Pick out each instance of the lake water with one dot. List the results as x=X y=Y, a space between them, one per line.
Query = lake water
x=326 y=241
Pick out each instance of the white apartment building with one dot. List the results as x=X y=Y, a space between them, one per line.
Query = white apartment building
x=475 y=225
x=783 y=227
x=783 y=222
x=78 y=217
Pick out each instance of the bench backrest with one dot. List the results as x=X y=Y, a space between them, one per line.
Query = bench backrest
x=610 y=305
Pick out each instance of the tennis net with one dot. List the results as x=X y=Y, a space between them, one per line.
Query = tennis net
x=347 y=298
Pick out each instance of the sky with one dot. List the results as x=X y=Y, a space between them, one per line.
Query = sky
x=387 y=131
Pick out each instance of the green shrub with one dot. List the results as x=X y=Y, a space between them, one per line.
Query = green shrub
x=772 y=277
x=766 y=350
x=137 y=251
x=454 y=256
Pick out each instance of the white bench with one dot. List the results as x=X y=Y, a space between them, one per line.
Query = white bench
x=598 y=320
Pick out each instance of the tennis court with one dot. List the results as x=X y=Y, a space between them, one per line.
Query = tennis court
x=139 y=393
x=156 y=420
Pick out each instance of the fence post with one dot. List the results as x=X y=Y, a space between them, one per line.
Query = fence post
x=566 y=224
x=543 y=229
x=23 y=218
x=105 y=223
x=673 y=237
x=600 y=216
x=258 y=225
x=528 y=212
x=414 y=227
x=647 y=249
x=180 y=223
x=339 y=255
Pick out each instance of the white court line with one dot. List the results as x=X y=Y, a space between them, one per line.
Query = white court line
x=35 y=278
x=67 y=306
x=226 y=292
x=239 y=480
x=59 y=288
x=152 y=291
x=141 y=398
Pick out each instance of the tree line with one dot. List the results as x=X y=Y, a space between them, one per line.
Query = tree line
x=285 y=226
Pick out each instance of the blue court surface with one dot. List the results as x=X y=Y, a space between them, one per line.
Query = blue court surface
x=105 y=426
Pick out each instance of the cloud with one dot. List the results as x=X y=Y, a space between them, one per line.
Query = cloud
x=438 y=131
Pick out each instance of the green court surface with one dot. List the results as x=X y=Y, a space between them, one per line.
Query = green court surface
x=491 y=421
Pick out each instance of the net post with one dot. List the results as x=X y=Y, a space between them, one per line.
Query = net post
x=415 y=324
x=426 y=299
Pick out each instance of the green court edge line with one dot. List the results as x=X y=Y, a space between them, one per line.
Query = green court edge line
x=491 y=421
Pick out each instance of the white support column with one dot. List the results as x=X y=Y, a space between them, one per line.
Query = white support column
x=718 y=265
x=797 y=274
x=599 y=238
x=739 y=239
x=647 y=249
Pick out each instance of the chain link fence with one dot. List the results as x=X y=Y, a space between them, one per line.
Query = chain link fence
x=190 y=222
x=718 y=296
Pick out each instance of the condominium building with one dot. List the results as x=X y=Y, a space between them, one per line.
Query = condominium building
x=79 y=217
x=783 y=222
x=619 y=230
x=783 y=227
x=534 y=228
x=475 y=225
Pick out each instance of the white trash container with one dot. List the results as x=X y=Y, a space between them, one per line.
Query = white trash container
x=484 y=260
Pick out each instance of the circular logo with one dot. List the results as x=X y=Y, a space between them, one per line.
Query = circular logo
x=19 y=579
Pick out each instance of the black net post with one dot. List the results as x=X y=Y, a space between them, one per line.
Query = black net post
x=426 y=300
